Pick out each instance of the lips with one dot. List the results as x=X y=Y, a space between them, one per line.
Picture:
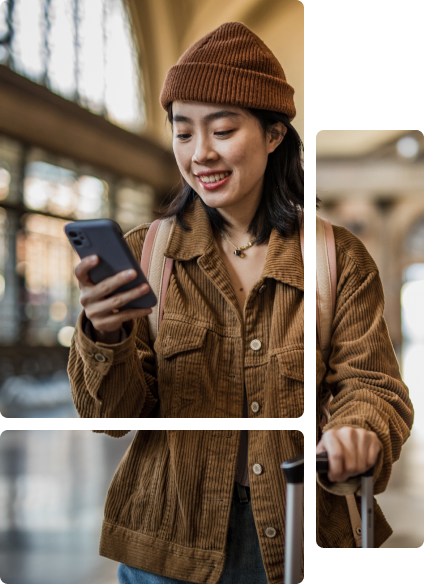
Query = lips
x=210 y=186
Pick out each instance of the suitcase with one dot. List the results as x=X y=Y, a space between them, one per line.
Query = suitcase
x=293 y=471
x=367 y=500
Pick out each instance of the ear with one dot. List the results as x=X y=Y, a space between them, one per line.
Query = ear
x=278 y=131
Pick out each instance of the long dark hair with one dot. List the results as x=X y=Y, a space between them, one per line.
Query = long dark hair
x=282 y=197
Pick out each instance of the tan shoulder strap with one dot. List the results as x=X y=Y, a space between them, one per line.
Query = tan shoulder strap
x=157 y=268
x=326 y=275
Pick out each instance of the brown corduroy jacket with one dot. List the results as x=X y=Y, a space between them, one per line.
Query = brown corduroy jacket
x=202 y=358
x=168 y=507
x=364 y=378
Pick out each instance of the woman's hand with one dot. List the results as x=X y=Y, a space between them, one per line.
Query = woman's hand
x=101 y=311
x=351 y=451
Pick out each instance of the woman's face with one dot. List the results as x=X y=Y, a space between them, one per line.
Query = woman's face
x=222 y=152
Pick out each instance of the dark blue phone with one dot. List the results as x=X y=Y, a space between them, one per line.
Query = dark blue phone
x=104 y=238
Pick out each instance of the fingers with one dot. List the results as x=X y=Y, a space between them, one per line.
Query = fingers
x=336 y=458
x=103 y=307
x=82 y=269
x=373 y=450
x=336 y=455
x=114 y=322
x=351 y=451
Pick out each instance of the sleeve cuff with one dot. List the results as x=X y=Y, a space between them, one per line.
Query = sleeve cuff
x=88 y=331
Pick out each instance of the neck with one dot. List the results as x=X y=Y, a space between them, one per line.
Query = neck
x=239 y=218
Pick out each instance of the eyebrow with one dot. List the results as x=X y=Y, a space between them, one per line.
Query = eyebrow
x=208 y=118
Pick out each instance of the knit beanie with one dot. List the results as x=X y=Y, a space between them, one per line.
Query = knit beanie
x=230 y=65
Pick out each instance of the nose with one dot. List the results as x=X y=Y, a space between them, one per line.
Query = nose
x=204 y=150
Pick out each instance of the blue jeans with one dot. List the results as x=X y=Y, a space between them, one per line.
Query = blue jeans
x=243 y=563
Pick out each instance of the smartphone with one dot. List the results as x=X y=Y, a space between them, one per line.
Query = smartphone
x=104 y=238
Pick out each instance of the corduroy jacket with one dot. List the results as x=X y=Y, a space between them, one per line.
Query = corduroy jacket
x=203 y=356
x=167 y=509
x=364 y=378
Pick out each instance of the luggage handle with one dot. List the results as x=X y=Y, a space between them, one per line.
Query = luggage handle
x=293 y=471
x=323 y=466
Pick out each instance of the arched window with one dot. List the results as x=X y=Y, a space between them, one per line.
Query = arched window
x=83 y=50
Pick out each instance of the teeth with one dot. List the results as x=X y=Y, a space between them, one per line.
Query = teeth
x=214 y=177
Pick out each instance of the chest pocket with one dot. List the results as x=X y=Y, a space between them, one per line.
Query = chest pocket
x=291 y=365
x=180 y=354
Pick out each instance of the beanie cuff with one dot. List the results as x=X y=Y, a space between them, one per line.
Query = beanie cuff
x=215 y=83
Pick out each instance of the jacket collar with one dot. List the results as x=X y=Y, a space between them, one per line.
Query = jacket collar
x=283 y=259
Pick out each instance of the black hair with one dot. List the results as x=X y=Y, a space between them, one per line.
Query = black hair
x=281 y=205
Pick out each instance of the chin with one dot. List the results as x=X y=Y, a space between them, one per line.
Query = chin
x=217 y=201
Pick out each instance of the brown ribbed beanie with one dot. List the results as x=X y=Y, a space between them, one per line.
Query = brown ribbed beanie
x=230 y=65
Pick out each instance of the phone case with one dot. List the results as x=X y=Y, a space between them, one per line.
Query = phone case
x=104 y=237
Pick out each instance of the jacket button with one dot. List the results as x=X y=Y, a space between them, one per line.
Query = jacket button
x=255 y=407
x=270 y=532
x=255 y=345
x=262 y=288
x=100 y=358
x=257 y=469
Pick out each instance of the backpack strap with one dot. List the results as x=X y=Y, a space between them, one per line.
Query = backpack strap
x=326 y=275
x=157 y=268
x=326 y=278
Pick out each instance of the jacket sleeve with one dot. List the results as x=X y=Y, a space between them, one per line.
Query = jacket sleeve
x=114 y=380
x=363 y=371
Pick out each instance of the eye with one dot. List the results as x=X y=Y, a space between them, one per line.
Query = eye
x=181 y=136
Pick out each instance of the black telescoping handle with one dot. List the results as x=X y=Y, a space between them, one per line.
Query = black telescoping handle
x=323 y=467
x=294 y=469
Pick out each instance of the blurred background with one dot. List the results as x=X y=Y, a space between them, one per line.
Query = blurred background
x=82 y=136
x=372 y=183
x=53 y=486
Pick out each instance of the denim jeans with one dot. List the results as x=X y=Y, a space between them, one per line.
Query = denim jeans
x=243 y=563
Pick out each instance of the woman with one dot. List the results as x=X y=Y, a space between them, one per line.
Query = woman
x=232 y=329
x=231 y=340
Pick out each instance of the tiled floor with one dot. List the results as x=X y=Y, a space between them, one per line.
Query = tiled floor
x=53 y=487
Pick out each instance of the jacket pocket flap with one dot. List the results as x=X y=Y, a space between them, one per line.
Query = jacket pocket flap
x=177 y=337
x=291 y=364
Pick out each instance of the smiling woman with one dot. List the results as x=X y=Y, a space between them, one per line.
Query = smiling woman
x=247 y=138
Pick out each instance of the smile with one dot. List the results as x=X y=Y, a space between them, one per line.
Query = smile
x=214 y=185
x=213 y=178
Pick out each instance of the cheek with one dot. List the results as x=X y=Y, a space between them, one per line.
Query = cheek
x=244 y=154
x=182 y=157
x=250 y=159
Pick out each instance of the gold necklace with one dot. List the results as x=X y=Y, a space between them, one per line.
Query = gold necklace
x=238 y=250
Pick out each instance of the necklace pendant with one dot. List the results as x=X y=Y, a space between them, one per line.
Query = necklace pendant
x=242 y=255
x=237 y=252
